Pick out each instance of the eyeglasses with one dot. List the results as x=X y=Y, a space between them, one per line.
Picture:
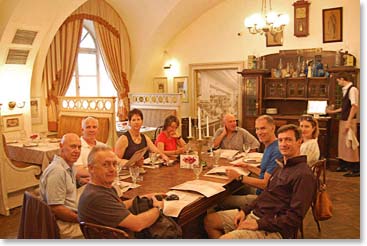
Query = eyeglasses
x=306 y=117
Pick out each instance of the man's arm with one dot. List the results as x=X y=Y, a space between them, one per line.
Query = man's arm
x=65 y=214
x=218 y=137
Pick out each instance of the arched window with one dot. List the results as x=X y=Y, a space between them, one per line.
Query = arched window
x=90 y=78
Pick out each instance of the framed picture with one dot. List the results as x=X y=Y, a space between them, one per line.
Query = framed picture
x=332 y=25
x=180 y=86
x=160 y=84
x=275 y=39
x=36 y=110
x=13 y=122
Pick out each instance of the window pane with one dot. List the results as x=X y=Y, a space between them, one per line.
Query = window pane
x=87 y=42
x=87 y=64
x=106 y=87
x=71 y=92
x=87 y=86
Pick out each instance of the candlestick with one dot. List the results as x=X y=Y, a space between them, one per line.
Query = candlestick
x=207 y=126
x=199 y=123
x=190 y=136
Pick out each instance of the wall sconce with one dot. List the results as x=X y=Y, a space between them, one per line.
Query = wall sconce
x=11 y=104
x=167 y=66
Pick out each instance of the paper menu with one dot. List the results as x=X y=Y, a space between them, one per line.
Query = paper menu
x=207 y=188
x=228 y=153
x=220 y=172
x=173 y=208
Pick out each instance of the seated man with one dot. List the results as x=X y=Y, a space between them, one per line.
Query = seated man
x=233 y=137
x=279 y=210
x=265 y=131
x=100 y=204
x=58 y=186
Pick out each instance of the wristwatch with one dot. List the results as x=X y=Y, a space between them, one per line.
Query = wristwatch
x=240 y=178
x=160 y=209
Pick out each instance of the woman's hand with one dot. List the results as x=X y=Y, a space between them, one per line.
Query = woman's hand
x=232 y=174
x=239 y=217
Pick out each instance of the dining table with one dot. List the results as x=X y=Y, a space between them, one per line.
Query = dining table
x=162 y=179
x=38 y=153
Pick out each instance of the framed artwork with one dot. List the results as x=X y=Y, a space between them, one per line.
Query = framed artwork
x=13 y=122
x=160 y=84
x=36 y=110
x=180 y=86
x=332 y=25
x=275 y=39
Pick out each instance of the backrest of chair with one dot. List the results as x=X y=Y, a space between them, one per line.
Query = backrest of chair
x=94 y=231
x=319 y=168
x=37 y=219
x=157 y=132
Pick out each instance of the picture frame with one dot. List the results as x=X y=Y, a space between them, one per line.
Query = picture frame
x=181 y=86
x=13 y=122
x=332 y=25
x=274 y=40
x=35 y=104
x=160 y=85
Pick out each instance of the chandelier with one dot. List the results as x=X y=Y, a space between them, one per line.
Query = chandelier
x=264 y=22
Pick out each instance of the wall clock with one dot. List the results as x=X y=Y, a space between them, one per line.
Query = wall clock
x=301 y=15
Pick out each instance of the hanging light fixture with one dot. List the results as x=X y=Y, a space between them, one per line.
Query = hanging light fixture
x=266 y=21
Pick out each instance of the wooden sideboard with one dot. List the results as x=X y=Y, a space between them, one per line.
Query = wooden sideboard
x=290 y=95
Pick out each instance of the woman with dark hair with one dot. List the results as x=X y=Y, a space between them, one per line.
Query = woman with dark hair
x=168 y=141
x=310 y=132
x=133 y=140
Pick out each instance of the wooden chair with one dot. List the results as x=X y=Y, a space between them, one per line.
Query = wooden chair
x=37 y=220
x=318 y=168
x=94 y=231
x=157 y=132
x=14 y=180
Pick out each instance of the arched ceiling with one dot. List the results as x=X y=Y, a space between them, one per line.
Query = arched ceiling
x=151 y=24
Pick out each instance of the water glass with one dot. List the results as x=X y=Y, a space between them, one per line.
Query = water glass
x=118 y=169
x=134 y=173
x=216 y=157
x=197 y=168
x=246 y=149
x=153 y=157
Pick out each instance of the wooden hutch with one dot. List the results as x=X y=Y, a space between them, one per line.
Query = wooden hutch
x=290 y=95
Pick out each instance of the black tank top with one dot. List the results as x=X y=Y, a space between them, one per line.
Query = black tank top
x=133 y=147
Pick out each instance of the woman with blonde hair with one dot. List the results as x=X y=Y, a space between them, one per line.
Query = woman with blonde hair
x=310 y=132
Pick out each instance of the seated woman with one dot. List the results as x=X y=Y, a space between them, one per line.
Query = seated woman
x=310 y=132
x=133 y=140
x=168 y=141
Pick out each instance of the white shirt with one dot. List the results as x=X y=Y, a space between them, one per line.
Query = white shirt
x=311 y=149
x=353 y=93
x=84 y=152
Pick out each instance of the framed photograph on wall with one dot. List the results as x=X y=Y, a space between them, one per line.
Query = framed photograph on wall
x=13 y=122
x=160 y=85
x=275 y=39
x=36 y=110
x=181 y=86
x=332 y=25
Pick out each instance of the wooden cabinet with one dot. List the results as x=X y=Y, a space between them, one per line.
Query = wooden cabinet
x=318 y=88
x=296 y=88
x=274 y=88
x=291 y=95
x=252 y=96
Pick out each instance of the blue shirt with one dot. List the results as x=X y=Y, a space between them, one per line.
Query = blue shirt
x=268 y=164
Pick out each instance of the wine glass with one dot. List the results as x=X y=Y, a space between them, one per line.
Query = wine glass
x=197 y=168
x=246 y=149
x=216 y=157
x=118 y=169
x=188 y=148
x=134 y=173
x=153 y=158
x=211 y=146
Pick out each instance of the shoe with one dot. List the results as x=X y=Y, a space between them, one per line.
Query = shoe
x=351 y=174
x=341 y=169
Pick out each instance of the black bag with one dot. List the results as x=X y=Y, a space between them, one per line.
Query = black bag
x=164 y=227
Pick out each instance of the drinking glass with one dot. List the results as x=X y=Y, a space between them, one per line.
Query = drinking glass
x=118 y=169
x=211 y=146
x=246 y=149
x=153 y=158
x=197 y=168
x=134 y=173
x=188 y=148
x=216 y=157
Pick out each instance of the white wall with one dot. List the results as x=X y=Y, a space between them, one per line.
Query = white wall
x=213 y=37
